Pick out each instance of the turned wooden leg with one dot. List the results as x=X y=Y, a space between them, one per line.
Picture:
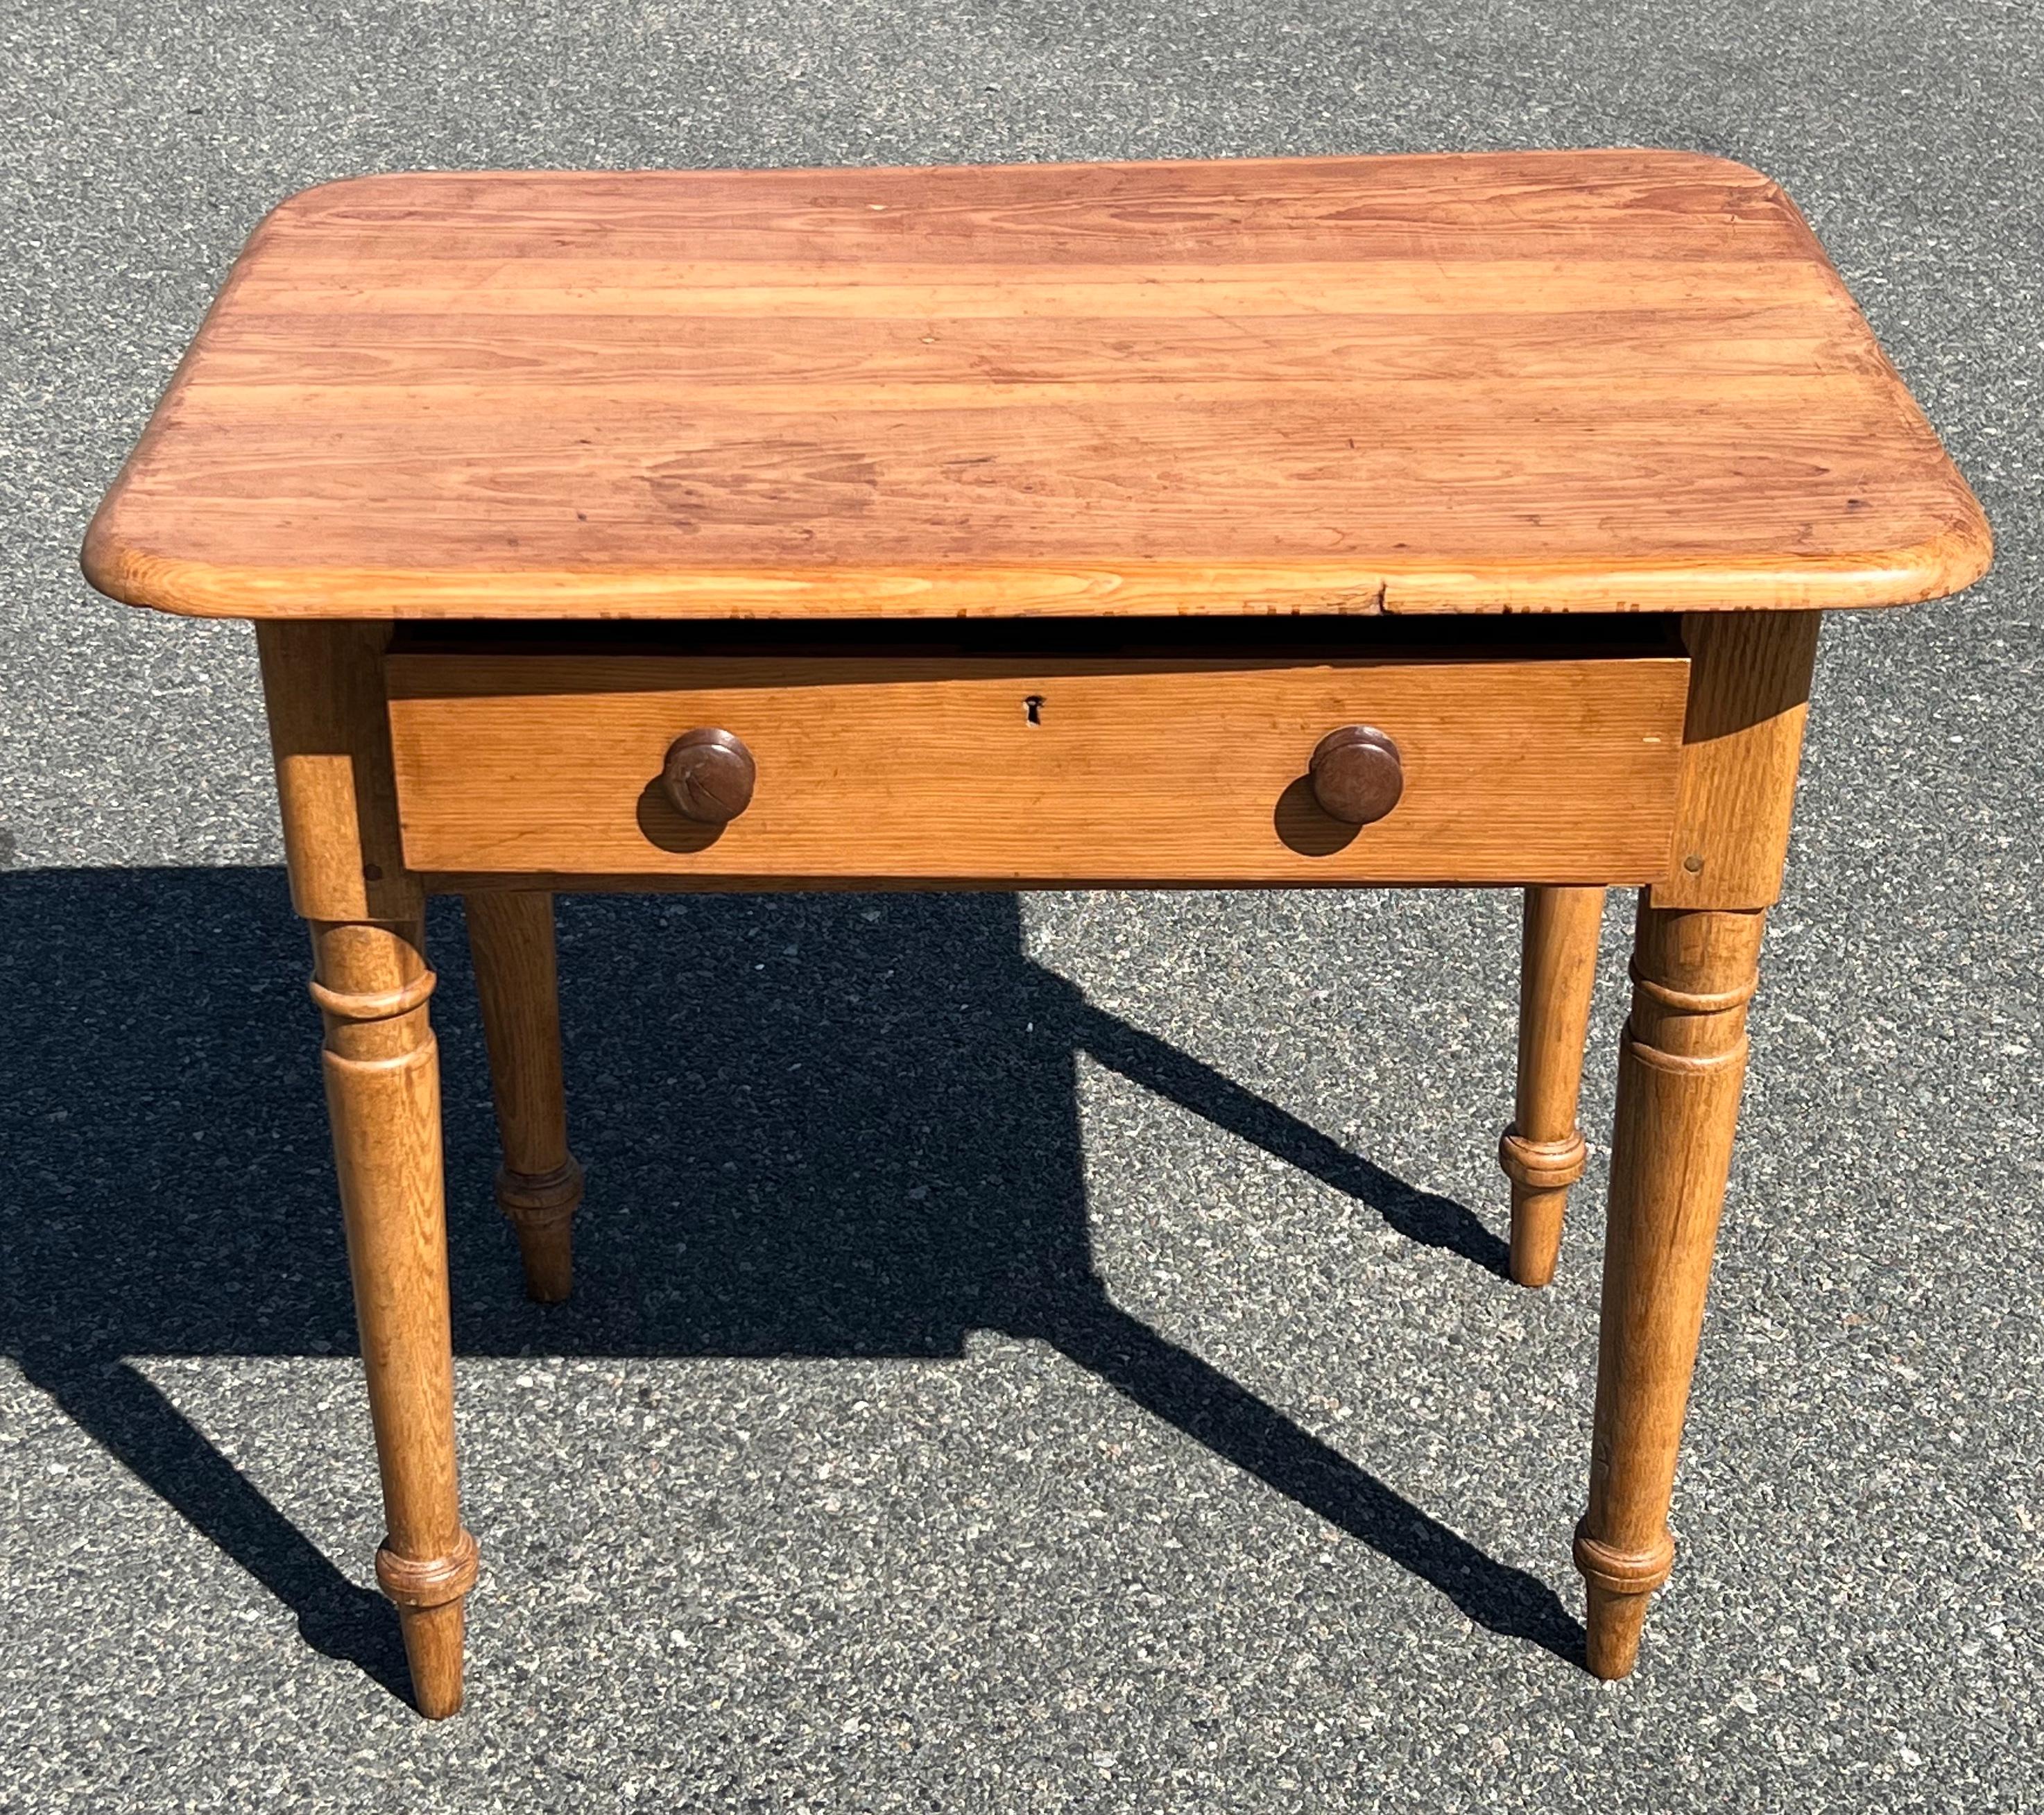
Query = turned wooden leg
x=1543 y=1151
x=511 y=937
x=1681 y=1061
x=382 y=1092
x=1681 y=1065
x=324 y=685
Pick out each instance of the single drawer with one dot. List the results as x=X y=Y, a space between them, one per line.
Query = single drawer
x=1007 y=765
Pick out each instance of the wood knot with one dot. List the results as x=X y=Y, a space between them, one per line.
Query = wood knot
x=415 y=1583
x=1543 y=1165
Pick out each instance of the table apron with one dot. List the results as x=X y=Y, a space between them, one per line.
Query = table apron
x=1009 y=772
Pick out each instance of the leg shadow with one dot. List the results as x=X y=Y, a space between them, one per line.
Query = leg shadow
x=823 y=1126
x=1193 y=1396
x=128 y=1417
x=1432 y=1221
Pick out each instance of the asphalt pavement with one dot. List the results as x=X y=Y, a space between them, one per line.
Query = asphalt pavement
x=1030 y=1354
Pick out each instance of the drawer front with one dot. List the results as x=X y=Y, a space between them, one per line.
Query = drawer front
x=1004 y=771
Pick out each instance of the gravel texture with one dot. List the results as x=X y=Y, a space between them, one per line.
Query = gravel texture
x=1030 y=1355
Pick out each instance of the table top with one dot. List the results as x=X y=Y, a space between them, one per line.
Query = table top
x=1546 y=381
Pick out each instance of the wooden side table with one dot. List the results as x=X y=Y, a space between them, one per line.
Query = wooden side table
x=1397 y=520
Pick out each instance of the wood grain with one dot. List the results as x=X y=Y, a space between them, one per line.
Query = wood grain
x=323 y=689
x=1681 y=1062
x=323 y=683
x=1543 y=1152
x=1536 y=381
x=939 y=770
x=540 y=1184
x=1741 y=746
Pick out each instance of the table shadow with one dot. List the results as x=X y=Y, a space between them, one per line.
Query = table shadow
x=815 y=1126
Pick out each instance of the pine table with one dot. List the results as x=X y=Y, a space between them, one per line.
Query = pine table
x=1332 y=522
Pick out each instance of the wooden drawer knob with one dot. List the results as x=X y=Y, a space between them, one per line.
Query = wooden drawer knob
x=1356 y=774
x=709 y=775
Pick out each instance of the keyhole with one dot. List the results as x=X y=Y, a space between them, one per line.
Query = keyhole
x=1032 y=709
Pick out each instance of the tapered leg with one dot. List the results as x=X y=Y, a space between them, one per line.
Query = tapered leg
x=1543 y=1151
x=324 y=685
x=382 y=1093
x=511 y=937
x=1681 y=1065
x=1681 y=1062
